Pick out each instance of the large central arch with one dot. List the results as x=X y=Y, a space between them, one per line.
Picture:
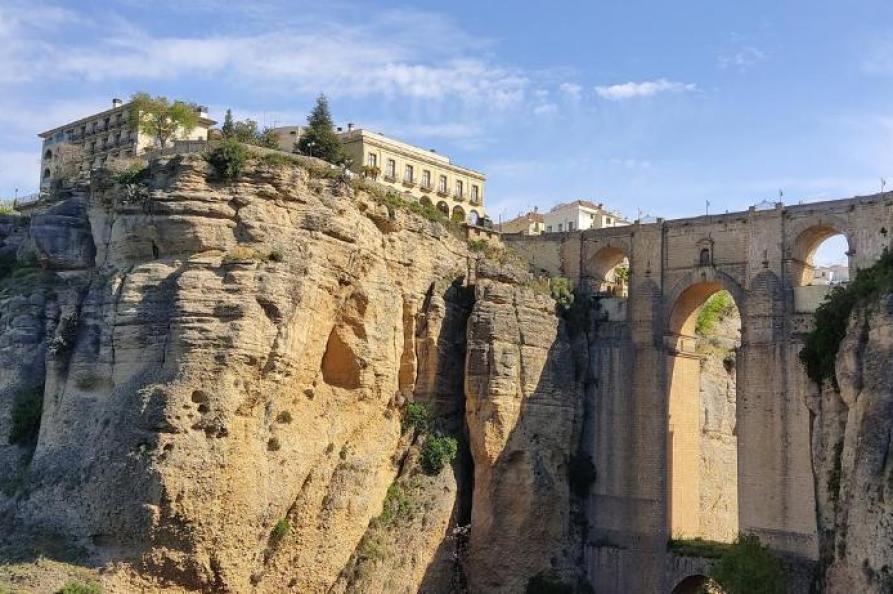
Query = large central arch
x=686 y=516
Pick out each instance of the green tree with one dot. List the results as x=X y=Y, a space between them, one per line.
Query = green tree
x=160 y=118
x=320 y=140
x=748 y=567
x=228 y=126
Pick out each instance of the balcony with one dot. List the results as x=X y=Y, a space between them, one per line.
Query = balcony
x=426 y=187
x=390 y=177
x=459 y=196
x=408 y=182
x=443 y=192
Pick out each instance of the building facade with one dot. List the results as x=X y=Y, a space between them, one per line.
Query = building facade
x=580 y=215
x=425 y=175
x=531 y=223
x=96 y=138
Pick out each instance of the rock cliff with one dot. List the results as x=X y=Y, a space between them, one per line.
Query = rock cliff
x=219 y=371
x=853 y=457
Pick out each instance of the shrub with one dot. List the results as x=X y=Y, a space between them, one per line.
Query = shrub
x=133 y=174
x=437 y=452
x=6 y=208
x=397 y=505
x=241 y=253
x=580 y=474
x=831 y=318
x=748 y=567
x=562 y=292
x=80 y=588
x=26 y=412
x=546 y=583
x=478 y=245
x=280 y=529
x=417 y=416
x=698 y=547
x=228 y=159
x=276 y=255
x=718 y=306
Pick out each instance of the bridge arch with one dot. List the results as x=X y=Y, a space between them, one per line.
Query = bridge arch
x=693 y=584
x=702 y=445
x=607 y=268
x=808 y=235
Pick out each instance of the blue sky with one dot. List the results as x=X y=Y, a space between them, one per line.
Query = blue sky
x=651 y=106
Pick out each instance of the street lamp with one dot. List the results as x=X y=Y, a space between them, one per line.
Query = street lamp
x=310 y=146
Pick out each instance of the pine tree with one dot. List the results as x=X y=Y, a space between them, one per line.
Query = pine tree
x=228 y=127
x=320 y=140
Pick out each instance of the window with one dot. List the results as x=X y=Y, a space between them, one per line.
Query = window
x=609 y=220
x=48 y=154
x=118 y=119
x=391 y=171
x=408 y=174
x=704 y=259
x=459 y=188
x=106 y=122
x=474 y=193
x=118 y=138
x=570 y=226
x=560 y=227
x=372 y=160
x=548 y=228
x=93 y=147
x=46 y=174
x=442 y=185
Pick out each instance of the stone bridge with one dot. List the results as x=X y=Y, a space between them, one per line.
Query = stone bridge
x=645 y=425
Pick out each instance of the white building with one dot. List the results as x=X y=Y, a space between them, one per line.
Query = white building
x=835 y=274
x=580 y=215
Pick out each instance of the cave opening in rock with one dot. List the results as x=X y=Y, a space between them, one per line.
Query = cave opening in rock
x=705 y=335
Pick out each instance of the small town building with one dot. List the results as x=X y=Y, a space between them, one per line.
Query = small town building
x=580 y=215
x=98 y=137
x=531 y=223
x=835 y=274
x=287 y=137
x=423 y=174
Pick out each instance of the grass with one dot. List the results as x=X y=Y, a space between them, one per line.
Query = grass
x=718 y=306
x=698 y=547
x=281 y=528
x=819 y=354
x=80 y=588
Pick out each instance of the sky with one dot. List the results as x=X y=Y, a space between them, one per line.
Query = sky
x=651 y=107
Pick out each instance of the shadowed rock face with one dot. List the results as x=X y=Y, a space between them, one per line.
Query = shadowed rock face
x=853 y=457
x=217 y=358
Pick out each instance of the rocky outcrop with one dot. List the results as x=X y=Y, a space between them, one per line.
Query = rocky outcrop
x=223 y=368
x=524 y=413
x=853 y=457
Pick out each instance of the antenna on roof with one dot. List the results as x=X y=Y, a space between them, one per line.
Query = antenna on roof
x=883 y=185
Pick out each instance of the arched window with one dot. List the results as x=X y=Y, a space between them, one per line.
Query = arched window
x=46 y=173
x=473 y=217
x=704 y=259
x=48 y=154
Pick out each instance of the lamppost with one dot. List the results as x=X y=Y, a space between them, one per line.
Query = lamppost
x=310 y=146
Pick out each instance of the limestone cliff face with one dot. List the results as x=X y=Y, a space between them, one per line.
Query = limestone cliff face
x=216 y=359
x=853 y=458
x=524 y=413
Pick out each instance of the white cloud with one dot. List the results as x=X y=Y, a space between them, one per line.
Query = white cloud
x=390 y=54
x=742 y=58
x=646 y=88
x=545 y=109
x=571 y=90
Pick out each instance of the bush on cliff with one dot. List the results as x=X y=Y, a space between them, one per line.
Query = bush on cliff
x=80 y=588
x=831 y=318
x=417 y=416
x=748 y=567
x=437 y=452
x=228 y=160
x=718 y=306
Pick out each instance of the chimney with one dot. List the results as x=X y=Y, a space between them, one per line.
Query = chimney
x=349 y=126
x=116 y=103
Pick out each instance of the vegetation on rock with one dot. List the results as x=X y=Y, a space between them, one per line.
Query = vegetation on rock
x=718 y=306
x=246 y=131
x=228 y=159
x=819 y=354
x=748 y=567
x=438 y=451
x=417 y=416
x=80 y=588
x=280 y=529
x=562 y=292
